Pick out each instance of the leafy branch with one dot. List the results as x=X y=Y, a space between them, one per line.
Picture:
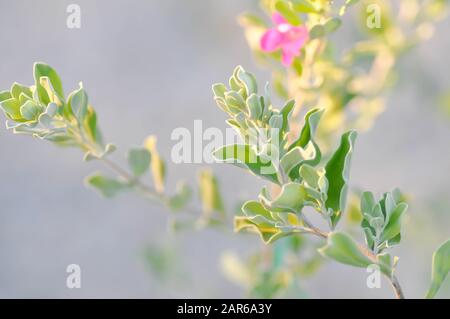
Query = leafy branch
x=295 y=166
x=42 y=111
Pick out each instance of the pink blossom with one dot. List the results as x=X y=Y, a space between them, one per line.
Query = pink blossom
x=290 y=39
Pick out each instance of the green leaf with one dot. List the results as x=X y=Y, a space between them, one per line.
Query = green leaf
x=30 y=110
x=337 y=173
x=210 y=193
x=254 y=106
x=243 y=155
x=308 y=131
x=248 y=80
x=304 y=6
x=44 y=70
x=293 y=159
x=107 y=187
x=181 y=198
x=393 y=226
x=11 y=107
x=78 y=102
x=286 y=112
x=332 y=25
x=18 y=89
x=5 y=95
x=139 y=161
x=158 y=166
x=317 y=31
x=291 y=199
x=344 y=249
x=286 y=10
x=309 y=175
x=367 y=203
x=276 y=121
x=90 y=126
x=219 y=90
x=268 y=234
x=235 y=100
x=440 y=268
x=254 y=208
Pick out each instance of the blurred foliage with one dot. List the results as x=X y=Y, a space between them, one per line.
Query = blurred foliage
x=350 y=82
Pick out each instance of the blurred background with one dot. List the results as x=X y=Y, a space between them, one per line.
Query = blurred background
x=148 y=67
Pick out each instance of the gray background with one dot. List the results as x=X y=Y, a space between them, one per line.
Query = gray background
x=148 y=67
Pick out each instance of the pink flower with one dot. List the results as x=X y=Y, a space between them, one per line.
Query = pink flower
x=290 y=39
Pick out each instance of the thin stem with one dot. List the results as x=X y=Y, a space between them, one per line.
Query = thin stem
x=311 y=229
x=397 y=288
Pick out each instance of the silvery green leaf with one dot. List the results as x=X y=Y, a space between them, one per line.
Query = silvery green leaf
x=30 y=110
x=440 y=268
x=107 y=187
x=370 y=237
x=139 y=161
x=308 y=131
x=53 y=96
x=286 y=112
x=266 y=102
x=297 y=156
x=276 y=121
x=235 y=100
x=44 y=70
x=19 y=89
x=51 y=109
x=367 y=203
x=267 y=234
x=309 y=175
x=243 y=155
x=393 y=226
x=78 y=102
x=376 y=222
x=389 y=204
x=219 y=90
x=254 y=208
x=45 y=120
x=222 y=104
x=377 y=211
x=337 y=173
x=291 y=199
x=254 y=106
x=343 y=249
x=234 y=82
x=248 y=81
